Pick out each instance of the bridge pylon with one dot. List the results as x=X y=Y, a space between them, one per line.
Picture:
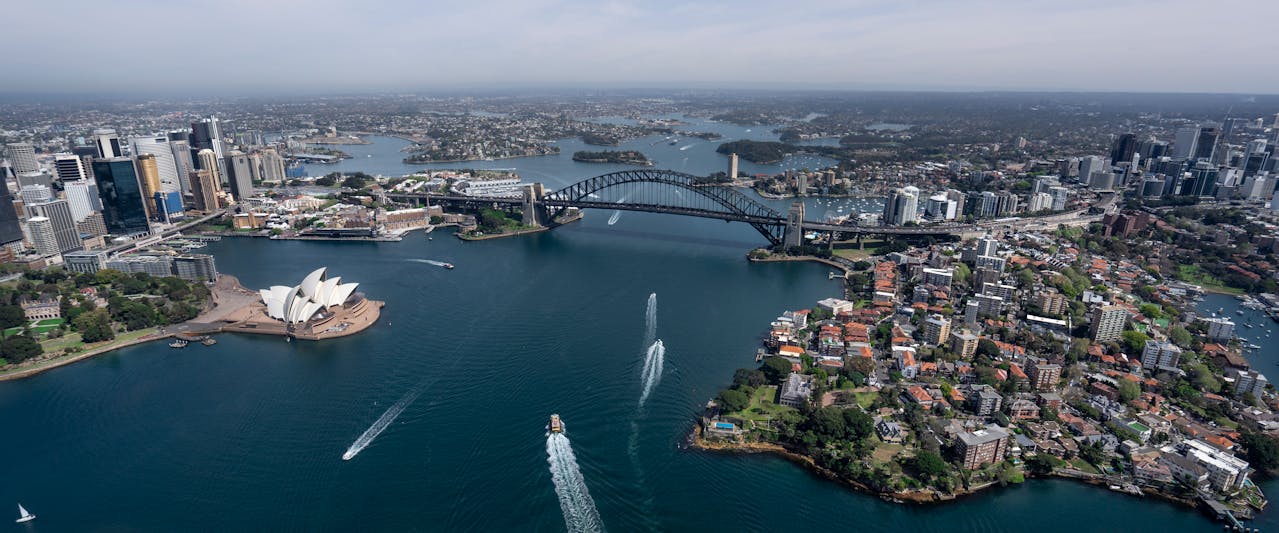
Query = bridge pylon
x=533 y=210
x=794 y=235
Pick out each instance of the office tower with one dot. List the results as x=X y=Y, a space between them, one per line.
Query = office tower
x=204 y=188
x=1043 y=183
x=1122 y=150
x=149 y=180
x=182 y=159
x=732 y=166
x=207 y=134
x=93 y=224
x=1061 y=195
x=58 y=212
x=35 y=178
x=272 y=165
x=35 y=194
x=106 y=144
x=206 y=159
x=1206 y=146
x=10 y=229
x=69 y=167
x=1202 y=180
x=86 y=153
x=1108 y=323
x=238 y=175
x=22 y=158
x=1255 y=157
x=165 y=162
x=82 y=196
x=255 y=167
x=1185 y=143
x=42 y=235
x=123 y=208
x=1152 y=149
x=1152 y=187
x=1089 y=165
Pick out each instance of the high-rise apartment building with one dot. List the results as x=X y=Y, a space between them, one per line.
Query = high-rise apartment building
x=42 y=235
x=62 y=224
x=1108 y=323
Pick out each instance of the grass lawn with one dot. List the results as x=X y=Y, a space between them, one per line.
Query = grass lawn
x=885 y=452
x=50 y=322
x=1193 y=274
x=66 y=341
x=1083 y=466
x=762 y=408
x=848 y=249
x=865 y=399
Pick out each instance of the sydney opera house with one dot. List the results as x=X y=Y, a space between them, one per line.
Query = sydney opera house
x=311 y=299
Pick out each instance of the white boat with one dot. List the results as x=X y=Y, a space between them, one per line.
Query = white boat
x=24 y=515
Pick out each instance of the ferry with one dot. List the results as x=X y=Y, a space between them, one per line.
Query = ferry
x=555 y=426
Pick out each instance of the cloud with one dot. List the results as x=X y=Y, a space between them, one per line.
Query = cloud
x=1173 y=45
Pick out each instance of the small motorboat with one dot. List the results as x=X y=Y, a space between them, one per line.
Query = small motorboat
x=448 y=266
x=23 y=515
x=555 y=426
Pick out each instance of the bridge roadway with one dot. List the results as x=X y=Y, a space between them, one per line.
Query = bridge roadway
x=152 y=239
x=1075 y=217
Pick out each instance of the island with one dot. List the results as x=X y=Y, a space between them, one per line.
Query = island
x=623 y=157
x=758 y=152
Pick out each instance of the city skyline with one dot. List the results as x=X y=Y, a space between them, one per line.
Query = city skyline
x=866 y=45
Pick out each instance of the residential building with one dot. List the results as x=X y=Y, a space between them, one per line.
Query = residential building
x=984 y=401
x=984 y=446
x=1225 y=471
x=42 y=237
x=1220 y=329
x=1051 y=302
x=65 y=234
x=1044 y=376
x=796 y=390
x=1249 y=382
x=1159 y=355
x=936 y=330
x=1108 y=323
x=963 y=343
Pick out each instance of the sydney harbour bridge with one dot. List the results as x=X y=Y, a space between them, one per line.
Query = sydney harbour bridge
x=665 y=191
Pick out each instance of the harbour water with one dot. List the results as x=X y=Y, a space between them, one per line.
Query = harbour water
x=250 y=434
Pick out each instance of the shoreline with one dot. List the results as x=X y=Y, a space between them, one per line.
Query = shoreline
x=800 y=259
x=215 y=320
x=926 y=497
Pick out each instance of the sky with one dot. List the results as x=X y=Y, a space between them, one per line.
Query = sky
x=263 y=46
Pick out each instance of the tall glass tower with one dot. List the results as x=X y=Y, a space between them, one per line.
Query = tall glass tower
x=123 y=207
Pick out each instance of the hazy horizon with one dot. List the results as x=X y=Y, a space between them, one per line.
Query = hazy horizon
x=153 y=47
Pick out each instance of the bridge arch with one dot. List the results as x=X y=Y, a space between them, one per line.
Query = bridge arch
x=707 y=200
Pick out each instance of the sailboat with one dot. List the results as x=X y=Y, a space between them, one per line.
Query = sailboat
x=24 y=515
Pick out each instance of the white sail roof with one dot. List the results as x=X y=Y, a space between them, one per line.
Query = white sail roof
x=300 y=303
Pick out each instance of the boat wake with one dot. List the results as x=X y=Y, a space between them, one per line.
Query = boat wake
x=570 y=487
x=652 y=373
x=381 y=424
x=682 y=148
x=613 y=219
x=650 y=320
x=429 y=262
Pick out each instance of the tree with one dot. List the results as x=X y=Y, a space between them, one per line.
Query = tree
x=776 y=368
x=745 y=377
x=1040 y=464
x=94 y=326
x=1134 y=341
x=1129 y=390
x=731 y=400
x=12 y=316
x=987 y=348
x=1181 y=337
x=928 y=465
x=19 y=348
x=1203 y=378
x=1263 y=451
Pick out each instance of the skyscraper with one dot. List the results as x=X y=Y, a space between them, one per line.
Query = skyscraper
x=165 y=161
x=204 y=189
x=82 y=197
x=238 y=175
x=122 y=205
x=1108 y=323
x=106 y=144
x=22 y=158
x=1123 y=149
x=206 y=159
x=149 y=180
x=34 y=194
x=69 y=167
x=272 y=165
x=42 y=235
x=1206 y=145
x=62 y=224
x=1185 y=143
x=207 y=134
x=182 y=159
x=10 y=229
